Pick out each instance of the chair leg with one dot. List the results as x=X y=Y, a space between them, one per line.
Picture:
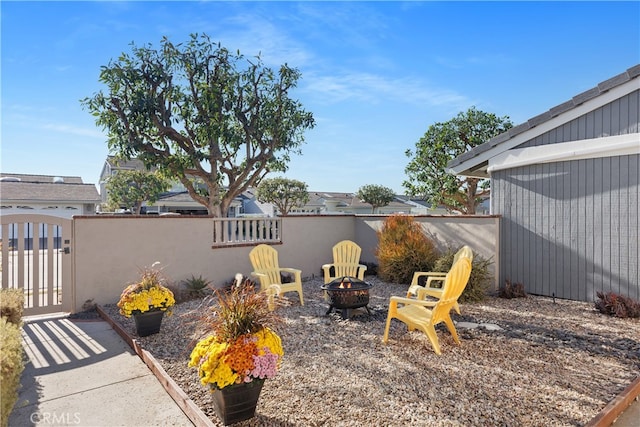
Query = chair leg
x=433 y=337
x=457 y=308
x=452 y=329
x=385 y=337
x=301 y=298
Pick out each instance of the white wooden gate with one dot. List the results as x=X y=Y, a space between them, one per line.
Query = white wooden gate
x=36 y=257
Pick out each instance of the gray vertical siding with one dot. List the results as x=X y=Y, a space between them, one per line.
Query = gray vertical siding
x=616 y=118
x=571 y=228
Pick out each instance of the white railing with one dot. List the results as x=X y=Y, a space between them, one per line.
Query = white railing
x=243 y=231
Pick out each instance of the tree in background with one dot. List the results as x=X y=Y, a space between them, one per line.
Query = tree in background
x=197 y=112
x=428 y=177
x=284 y=193
x=129 y=188
x=375 y=195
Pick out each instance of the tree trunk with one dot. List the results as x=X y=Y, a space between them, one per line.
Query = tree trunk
x=472 y=186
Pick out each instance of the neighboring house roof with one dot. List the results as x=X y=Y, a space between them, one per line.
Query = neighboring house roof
x=475 y=161
x=183 y=197
x=179 y=197
x=41 y=178
x=348 y=202
x=118 y=163
x=25 y=192
x=421 y=206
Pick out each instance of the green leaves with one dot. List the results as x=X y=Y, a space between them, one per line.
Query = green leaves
x=231 y=116
x=427 y=171
x=284 y=193
x=375 y=195
x=130 y=188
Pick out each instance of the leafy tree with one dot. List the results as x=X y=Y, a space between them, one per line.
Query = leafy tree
x=283 y=193
x=130 y=188
x=375 y=195
x=442 y=143
x=197 y=112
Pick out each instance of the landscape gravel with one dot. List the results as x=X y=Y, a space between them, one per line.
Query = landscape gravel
x=531 y=361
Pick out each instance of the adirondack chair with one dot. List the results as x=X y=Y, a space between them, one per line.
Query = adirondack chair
x=435 y=277
x=264 y=260
x=425 y=315
x=346 y=262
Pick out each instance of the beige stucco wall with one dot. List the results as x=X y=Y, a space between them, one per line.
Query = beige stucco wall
x=481 y=233
x=109 y=251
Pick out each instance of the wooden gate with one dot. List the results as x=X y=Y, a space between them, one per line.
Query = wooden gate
x=36 y=258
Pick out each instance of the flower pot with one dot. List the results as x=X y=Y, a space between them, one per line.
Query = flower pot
x=237 y=402
x=148 y=323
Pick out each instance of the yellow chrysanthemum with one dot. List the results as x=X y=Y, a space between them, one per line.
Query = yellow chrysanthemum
x=157 y=297
x=221 y=364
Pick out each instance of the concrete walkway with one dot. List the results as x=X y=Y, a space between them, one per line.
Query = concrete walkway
x=82 y=373
x=630 y=417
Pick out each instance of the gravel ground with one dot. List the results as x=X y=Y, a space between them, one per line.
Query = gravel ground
x=552 y=363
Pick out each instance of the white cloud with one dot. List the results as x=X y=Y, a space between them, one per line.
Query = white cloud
x=73 y=130
x=376 y=89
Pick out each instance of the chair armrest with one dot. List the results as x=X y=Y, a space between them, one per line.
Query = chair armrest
x=259 y=275
x=296 y=272
x=435 y=279
x=413 y=290
x=411 y=301
x=326 y=270
x=422 y=293
x=360 y=271
x=419 y=274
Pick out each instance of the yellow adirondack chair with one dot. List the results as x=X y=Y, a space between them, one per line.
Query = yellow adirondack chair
x=425 y=315
x=346 y=262
x=264 y=260
x=433 y=277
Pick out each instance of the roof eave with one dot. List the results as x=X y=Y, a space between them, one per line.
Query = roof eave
x=471 y=163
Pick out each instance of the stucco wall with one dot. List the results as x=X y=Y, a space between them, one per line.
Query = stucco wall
x=481 y=233
x=109 y=251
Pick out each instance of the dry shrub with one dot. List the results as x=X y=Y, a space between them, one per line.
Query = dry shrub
x=479 y=280
x=512 y=290
x=617 y=305
x=11 y=363
x=12 y=305
x=403 y=248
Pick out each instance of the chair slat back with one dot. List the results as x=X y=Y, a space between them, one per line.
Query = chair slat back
x=264 y=259
x=454 y=283
x=346 y=257
x=463 y=252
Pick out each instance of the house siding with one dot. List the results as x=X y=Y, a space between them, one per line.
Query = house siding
x=619 y=117
x=572 y=228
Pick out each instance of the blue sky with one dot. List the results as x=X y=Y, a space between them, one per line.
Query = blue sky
x=375 y=75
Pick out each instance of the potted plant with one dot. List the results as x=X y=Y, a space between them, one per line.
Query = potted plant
x=239 y=350
x=147 y=300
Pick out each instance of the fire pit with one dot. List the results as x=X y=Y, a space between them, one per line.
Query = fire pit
x=347 y=293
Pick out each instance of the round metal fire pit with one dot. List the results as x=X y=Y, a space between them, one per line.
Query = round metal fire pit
x=347 y=293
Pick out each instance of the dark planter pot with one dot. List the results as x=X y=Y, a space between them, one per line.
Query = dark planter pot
x=237 y=402
x=148 y=323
